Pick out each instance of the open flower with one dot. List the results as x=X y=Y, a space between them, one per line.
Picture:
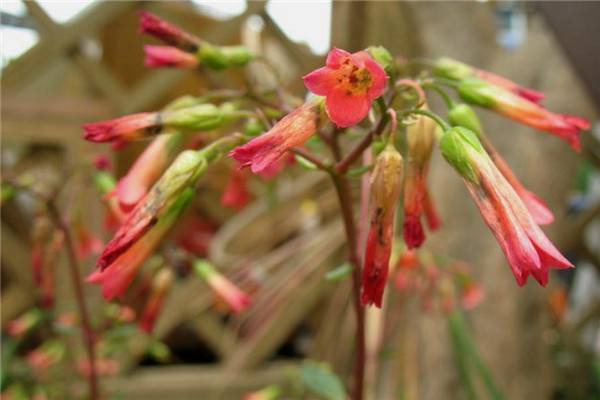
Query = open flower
x=527 y=249
x=465 y=116
x=264 y=151
x=567 y=127
x=170 y=34
x=168 y=56
x=350 y=82
x=236 y=299
x=385 y=192
x=161 y=284
x=420 y=139
x=453 y=69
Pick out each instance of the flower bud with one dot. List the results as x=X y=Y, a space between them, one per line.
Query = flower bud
x=170 y=34
x=161 y=284
x=222 y=57
x=167 y=56
x=452 y=69
x=382 y=56
x=237 y=300
x=456 y=145
x=465 y=116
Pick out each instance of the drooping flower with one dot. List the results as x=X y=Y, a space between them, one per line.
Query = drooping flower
x=161 y=285
x=199 y=117
x=350 y=82
x=147 y=168
x=420 y=139
x=236 y=299
x=385 y=192
x=567 y=127
x=465 y=116
x=121 y=271
x=170 y=34
x=168 y=56
x=236 y=194
x=264 y=151
x=457 y=70
x=177 y=179
x=527 y=249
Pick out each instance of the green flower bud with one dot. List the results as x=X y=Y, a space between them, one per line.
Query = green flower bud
x=105 y=182
x=202 y=117
x=465 y=116
x=382 y=56
x=477 y=92
x=452 y=69
x=183 y=102
x=219 y=58
x=457 y=145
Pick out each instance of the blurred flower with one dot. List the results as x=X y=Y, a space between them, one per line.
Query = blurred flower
x=465 y=116
x=236 y=194
x=264 y=151
x=170 y=34
x=456 y=70
x=19 y=327
x=236 y=299
x=350 y=82
x=161 y=285
x=46 y=355
x=471 y=295
x=526 y=247
x=87 y=243
x=420 y=139
x=567 y=127
x=167 y=56
x=196 y=235
x=385 y=192
x=104 y=367
x=102 y=162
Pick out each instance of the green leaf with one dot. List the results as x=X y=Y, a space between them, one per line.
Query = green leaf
x=339 y=273
x=320 y=380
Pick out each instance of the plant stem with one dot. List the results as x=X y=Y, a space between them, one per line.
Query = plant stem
x=87 y=332
x=345 y=198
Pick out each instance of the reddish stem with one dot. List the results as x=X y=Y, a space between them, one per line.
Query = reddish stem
x=346 y=205
x=87 y=332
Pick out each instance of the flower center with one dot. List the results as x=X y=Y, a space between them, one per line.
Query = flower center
x=356 y=81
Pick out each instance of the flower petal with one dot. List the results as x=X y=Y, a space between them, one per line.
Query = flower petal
x=336 y=57
x=321 y=81
x=346 y=109
x=379 y=79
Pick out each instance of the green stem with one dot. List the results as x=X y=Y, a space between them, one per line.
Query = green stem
x=443 y=124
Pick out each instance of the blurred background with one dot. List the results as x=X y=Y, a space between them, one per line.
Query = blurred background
x=65 y=63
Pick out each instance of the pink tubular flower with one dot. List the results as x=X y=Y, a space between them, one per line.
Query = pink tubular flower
x=170 y=34
x=264 y=151
x=237 y=300
x=146 y=170
x=350 y=82
x=420 y=139
x=566 y=127
x=161 y=285
x=167 y=56
x=457 y=70
x=527 y=249
x=471 y=295
x=385 y=192
x=126 y=128
x=25 y=323
x=236 y=194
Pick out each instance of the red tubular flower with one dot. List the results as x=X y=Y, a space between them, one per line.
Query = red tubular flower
x=465 y=116
x=130 y=127
x=385 y=192
x=170 y=34
x=161 y=285
x=167 y=191
x=236 y=299
x=350 y=82
x=527 y=249
x=167 y=56
x=420 y=139
x=456 y=70
x=236 y=194
x=431 y=213
x=566 y=127
x=264 y=151
x=147 y=169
